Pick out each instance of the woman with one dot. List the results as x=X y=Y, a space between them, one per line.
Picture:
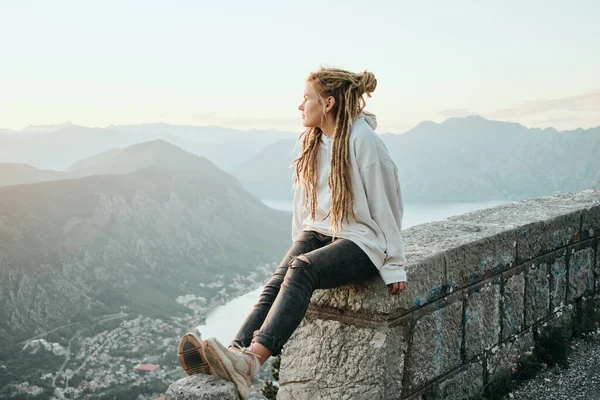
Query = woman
x=346 y=226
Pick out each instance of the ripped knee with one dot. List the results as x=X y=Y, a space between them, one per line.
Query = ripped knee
x=305 y=259
x=300 y=261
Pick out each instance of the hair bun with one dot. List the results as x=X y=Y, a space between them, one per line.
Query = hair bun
x=368 y=83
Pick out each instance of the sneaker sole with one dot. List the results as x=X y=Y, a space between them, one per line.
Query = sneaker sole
x=223 y=368
x=190 y=355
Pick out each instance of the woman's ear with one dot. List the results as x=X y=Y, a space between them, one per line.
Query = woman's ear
x=329 y=103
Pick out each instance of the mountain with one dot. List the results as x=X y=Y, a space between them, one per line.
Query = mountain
x=46 y=128
x=474 y=159
x=204 y=134
x=142 y=155
x=461 y=159
x=18 y=174
x=59 y=146
x=227 y=148
x=57 y=149
x=90 y=163
x=114 y=161
x=269 y=174
x=73 y=248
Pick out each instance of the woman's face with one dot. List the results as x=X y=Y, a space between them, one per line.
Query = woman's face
x=312 y=111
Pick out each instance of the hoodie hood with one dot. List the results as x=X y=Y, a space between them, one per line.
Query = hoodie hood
x=370 y=118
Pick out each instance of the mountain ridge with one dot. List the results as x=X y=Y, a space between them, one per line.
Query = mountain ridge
x=466 y=159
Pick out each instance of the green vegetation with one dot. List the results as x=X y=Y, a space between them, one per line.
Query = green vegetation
x=269 y=390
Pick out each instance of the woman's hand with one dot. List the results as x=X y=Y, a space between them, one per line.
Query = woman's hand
x=396 y=287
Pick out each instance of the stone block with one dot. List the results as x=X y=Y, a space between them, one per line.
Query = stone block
x=467 y=383
x=202 y=386
x=310 y=391
x=482 y=319
x=425 y=284
x=588 y=318
x=537 y=292
x=504 y=357
x=597 y=268
x=513 y=302
x=472 y=262
x=590 y=222
x=545 y=236
x=563 y=319
x=344 y=361
x=436 y=342
x=558 y=279
x=581 y=272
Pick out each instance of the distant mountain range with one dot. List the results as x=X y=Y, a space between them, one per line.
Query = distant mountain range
x=58 y=146
x=150 y=223
x=461 y=159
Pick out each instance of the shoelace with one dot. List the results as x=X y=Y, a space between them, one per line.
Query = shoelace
x=246 y=350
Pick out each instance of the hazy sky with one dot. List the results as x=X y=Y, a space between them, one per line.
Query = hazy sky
x=243 y=64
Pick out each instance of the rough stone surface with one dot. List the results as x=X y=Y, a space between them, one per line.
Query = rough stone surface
x=554 y=220
x=588 y=313
x=418 y=396
x=590 y=222
x=597 y=268
x=563 y=319
x=470 y=263
x=545 y=236
x=426 y=283
x=202 y=387
x=505 y=357
x=350 y=392
x=581 y=273
x=513 y=303
x=537 y=292
x=471 y=244
x=435 y=344
x=482 y=320
x=344 y=361
x=558 y=281
x=465 y=384
x=532 y=210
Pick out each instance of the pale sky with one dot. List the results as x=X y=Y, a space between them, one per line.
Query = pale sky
x=243 y=64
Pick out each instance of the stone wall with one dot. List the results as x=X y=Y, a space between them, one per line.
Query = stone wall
x=481 y=287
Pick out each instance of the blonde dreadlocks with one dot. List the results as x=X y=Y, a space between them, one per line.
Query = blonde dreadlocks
x=347 y=89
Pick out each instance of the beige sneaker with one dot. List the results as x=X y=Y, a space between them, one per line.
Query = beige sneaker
x=239 y=366
x=190 y=355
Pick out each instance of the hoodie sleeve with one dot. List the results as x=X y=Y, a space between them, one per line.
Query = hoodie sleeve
x=382 y=186
x=299 y=212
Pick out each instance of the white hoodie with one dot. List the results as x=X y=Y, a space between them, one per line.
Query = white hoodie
x=378 y=208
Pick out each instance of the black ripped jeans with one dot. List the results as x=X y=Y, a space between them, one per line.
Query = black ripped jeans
x=285 y=299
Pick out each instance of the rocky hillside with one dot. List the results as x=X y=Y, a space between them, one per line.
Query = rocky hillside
x=76 y=247
x=462 y=159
